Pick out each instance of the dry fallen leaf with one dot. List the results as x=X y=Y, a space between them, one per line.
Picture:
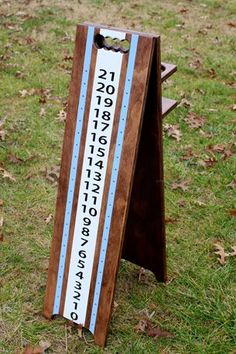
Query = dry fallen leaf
x=45 y=344
x=14 y=159
x=142 y=274
x=169 y=220
x=145 y=327
x=226 y=151
x=114 y=307
x=231 y=24
x=194 y=121
x=19 y=75
x=2 y=134
x=1 y=202
x=68 y=57
x=173 y=130
x=49 y=218
x=232 y=212
x=208 y=162
x=232 y=184
x=141 y=326
x=188 y=154
x=157 y=332
x=185 y=103
x=33 y=350
x=53 y=174
x=6 y=174
x=234 y=251
x=205 y=134
x=62 y=115
x=42 y=112
x=196 y=64
x=221 y=253
x=234 y=107
x=30 y=92
x=183 y=185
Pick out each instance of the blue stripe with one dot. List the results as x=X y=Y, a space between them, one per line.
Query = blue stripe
x=73 y=167
x=114 y=178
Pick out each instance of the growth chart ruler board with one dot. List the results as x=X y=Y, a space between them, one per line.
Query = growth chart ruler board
x=109 y=86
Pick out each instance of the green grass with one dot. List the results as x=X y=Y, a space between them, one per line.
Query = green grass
x=197 y=304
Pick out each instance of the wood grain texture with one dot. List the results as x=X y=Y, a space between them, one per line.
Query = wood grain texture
x=80 y=43
x=127 y=164
x=144 y=242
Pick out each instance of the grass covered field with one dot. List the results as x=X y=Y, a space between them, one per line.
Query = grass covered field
x=197 y=306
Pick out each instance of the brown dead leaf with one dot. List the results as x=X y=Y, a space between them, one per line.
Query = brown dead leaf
x=141 y=275
x=169 y=220
x=1 y=202
x=157 y=332
x=233 y=107
x=232 y=184
x=194 y=121
x=1 y=237
x=6 y=174
x=2 y=131
x=45 y=344
x=183 y=185
x=42 y=112
x=203 y=31
x=231 y=24
x=145 y=327
x=211 y=73
x=80 y=331
x=33 y=350
x=208 y=162
x=173 y=131
x=53 y=174
x=196 y=64
x=184 y=10
x=232 y=212
x=141 y=326
x=114 y=307
x=62 y=115
x=44 y=94
x=226 y=151
x=48 y=219
x=221 y=253
x=205 y=134
x=14 y=159
x=234 y=251
x=68 y=57
x=19 y=75
x=188 y=155
x=24 y=93
x=185 y=103
x=2 y=134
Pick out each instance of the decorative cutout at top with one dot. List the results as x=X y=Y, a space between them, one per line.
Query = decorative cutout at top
x=109 y=43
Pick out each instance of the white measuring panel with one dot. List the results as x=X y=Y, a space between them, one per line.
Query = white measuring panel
x=95 y=160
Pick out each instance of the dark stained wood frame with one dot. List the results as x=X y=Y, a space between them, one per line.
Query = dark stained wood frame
x=138 y=228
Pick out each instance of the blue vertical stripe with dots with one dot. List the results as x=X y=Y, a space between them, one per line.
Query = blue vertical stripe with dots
x=73 y=168
x=114 y=177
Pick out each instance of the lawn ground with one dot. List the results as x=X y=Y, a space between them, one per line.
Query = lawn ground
x=197 y=305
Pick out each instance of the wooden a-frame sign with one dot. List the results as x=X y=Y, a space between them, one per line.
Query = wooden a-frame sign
x=110 y=195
